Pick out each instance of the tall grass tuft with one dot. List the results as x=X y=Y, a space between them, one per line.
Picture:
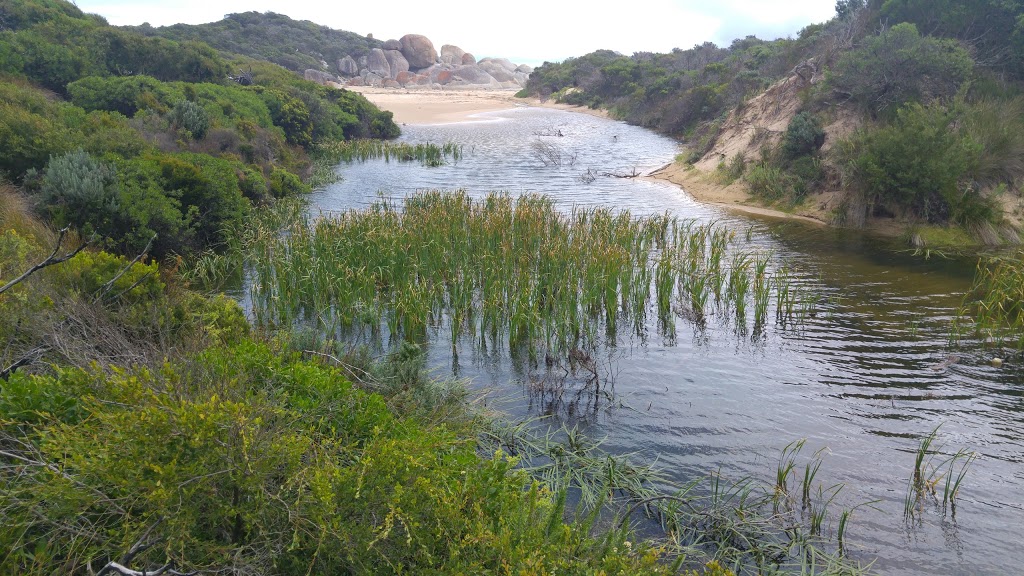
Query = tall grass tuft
x=500 y=271
x=932 y=467
x=993 y=310
x=427 y=154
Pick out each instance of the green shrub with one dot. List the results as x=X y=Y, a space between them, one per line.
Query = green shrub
x=291 y=115
x=258 y=461
x=772 y=183
x=283 y=183
x=914 y=166
x=209 y=192
x=731 y=171
x=997 y=126
x=79 y=190
x=190 y=117
x=900 y=66
x=803 y=136
x=126 y=95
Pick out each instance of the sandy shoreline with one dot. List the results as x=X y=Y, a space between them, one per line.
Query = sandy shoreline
x=448 y=106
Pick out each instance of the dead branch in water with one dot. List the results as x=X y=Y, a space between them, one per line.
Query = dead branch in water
x=633 y=174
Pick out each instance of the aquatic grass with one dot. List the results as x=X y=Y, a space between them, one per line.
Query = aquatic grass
x=362 y=150
x=927 y=474
x=709 y=519
x=499 y=271
x=993 y=310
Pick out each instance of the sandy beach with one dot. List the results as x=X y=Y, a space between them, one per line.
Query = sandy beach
x=446 y=106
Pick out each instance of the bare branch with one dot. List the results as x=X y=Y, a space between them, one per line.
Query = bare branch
x=28 y=358
x=50 y=261
x=106 y=288
x=115 y=568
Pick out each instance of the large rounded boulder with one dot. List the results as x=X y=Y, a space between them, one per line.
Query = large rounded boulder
x=319 y=76
x=397 y=62
x=452 y=54
x=473 y=76
x=377 y=63
x=347 y=66
x=418 y=50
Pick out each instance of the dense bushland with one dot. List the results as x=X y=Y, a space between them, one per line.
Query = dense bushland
x=127 y=137
x=159 y=424
x=293 y=44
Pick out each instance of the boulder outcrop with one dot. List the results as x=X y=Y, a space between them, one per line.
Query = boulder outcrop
x=418 y=50
x=347 y=66
x=377 y=63
x=397 y=62
x=412 y=62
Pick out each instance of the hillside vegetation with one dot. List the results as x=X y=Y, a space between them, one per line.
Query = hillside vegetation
x=125 y=137
x=911 y=109
x=294 y=44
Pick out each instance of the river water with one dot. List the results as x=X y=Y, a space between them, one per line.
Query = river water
x=864 y=380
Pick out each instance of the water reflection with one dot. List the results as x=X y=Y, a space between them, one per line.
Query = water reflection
x=859 y=379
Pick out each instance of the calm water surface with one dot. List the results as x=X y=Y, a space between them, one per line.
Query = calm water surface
x=860 y=380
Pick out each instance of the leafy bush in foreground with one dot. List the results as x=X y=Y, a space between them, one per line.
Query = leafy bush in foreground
x=252 y=461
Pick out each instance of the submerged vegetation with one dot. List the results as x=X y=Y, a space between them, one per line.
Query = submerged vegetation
x=503 y=268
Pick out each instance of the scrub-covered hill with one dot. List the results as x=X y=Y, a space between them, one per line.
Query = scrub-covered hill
x=915 y=121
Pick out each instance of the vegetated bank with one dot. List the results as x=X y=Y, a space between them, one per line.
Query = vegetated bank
x=890 y=116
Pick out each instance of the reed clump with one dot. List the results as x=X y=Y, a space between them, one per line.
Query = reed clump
x=504 y=271
x=747 y=526
x=361 y=150
x=934 y=470
x=994 y=308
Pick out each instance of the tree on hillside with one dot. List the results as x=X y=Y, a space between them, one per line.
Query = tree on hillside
x=993 y=28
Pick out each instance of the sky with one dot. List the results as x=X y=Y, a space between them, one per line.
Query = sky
x=526 y=31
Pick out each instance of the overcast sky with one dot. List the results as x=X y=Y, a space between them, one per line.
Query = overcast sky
x=527 y=31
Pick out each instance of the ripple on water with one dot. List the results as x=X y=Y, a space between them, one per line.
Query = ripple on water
x=866 y=379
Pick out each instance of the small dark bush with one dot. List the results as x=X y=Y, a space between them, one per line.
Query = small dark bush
x=803 y=136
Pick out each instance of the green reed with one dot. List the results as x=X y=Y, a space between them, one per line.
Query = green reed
x=932 y=467
x=500 y=271
x=734 y=523
x=427 y=154
x=993 y=310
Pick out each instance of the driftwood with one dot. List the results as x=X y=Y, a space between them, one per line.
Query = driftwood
x=633 y=174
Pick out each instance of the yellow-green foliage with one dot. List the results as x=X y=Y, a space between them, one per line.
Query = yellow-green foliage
x=260 y=462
